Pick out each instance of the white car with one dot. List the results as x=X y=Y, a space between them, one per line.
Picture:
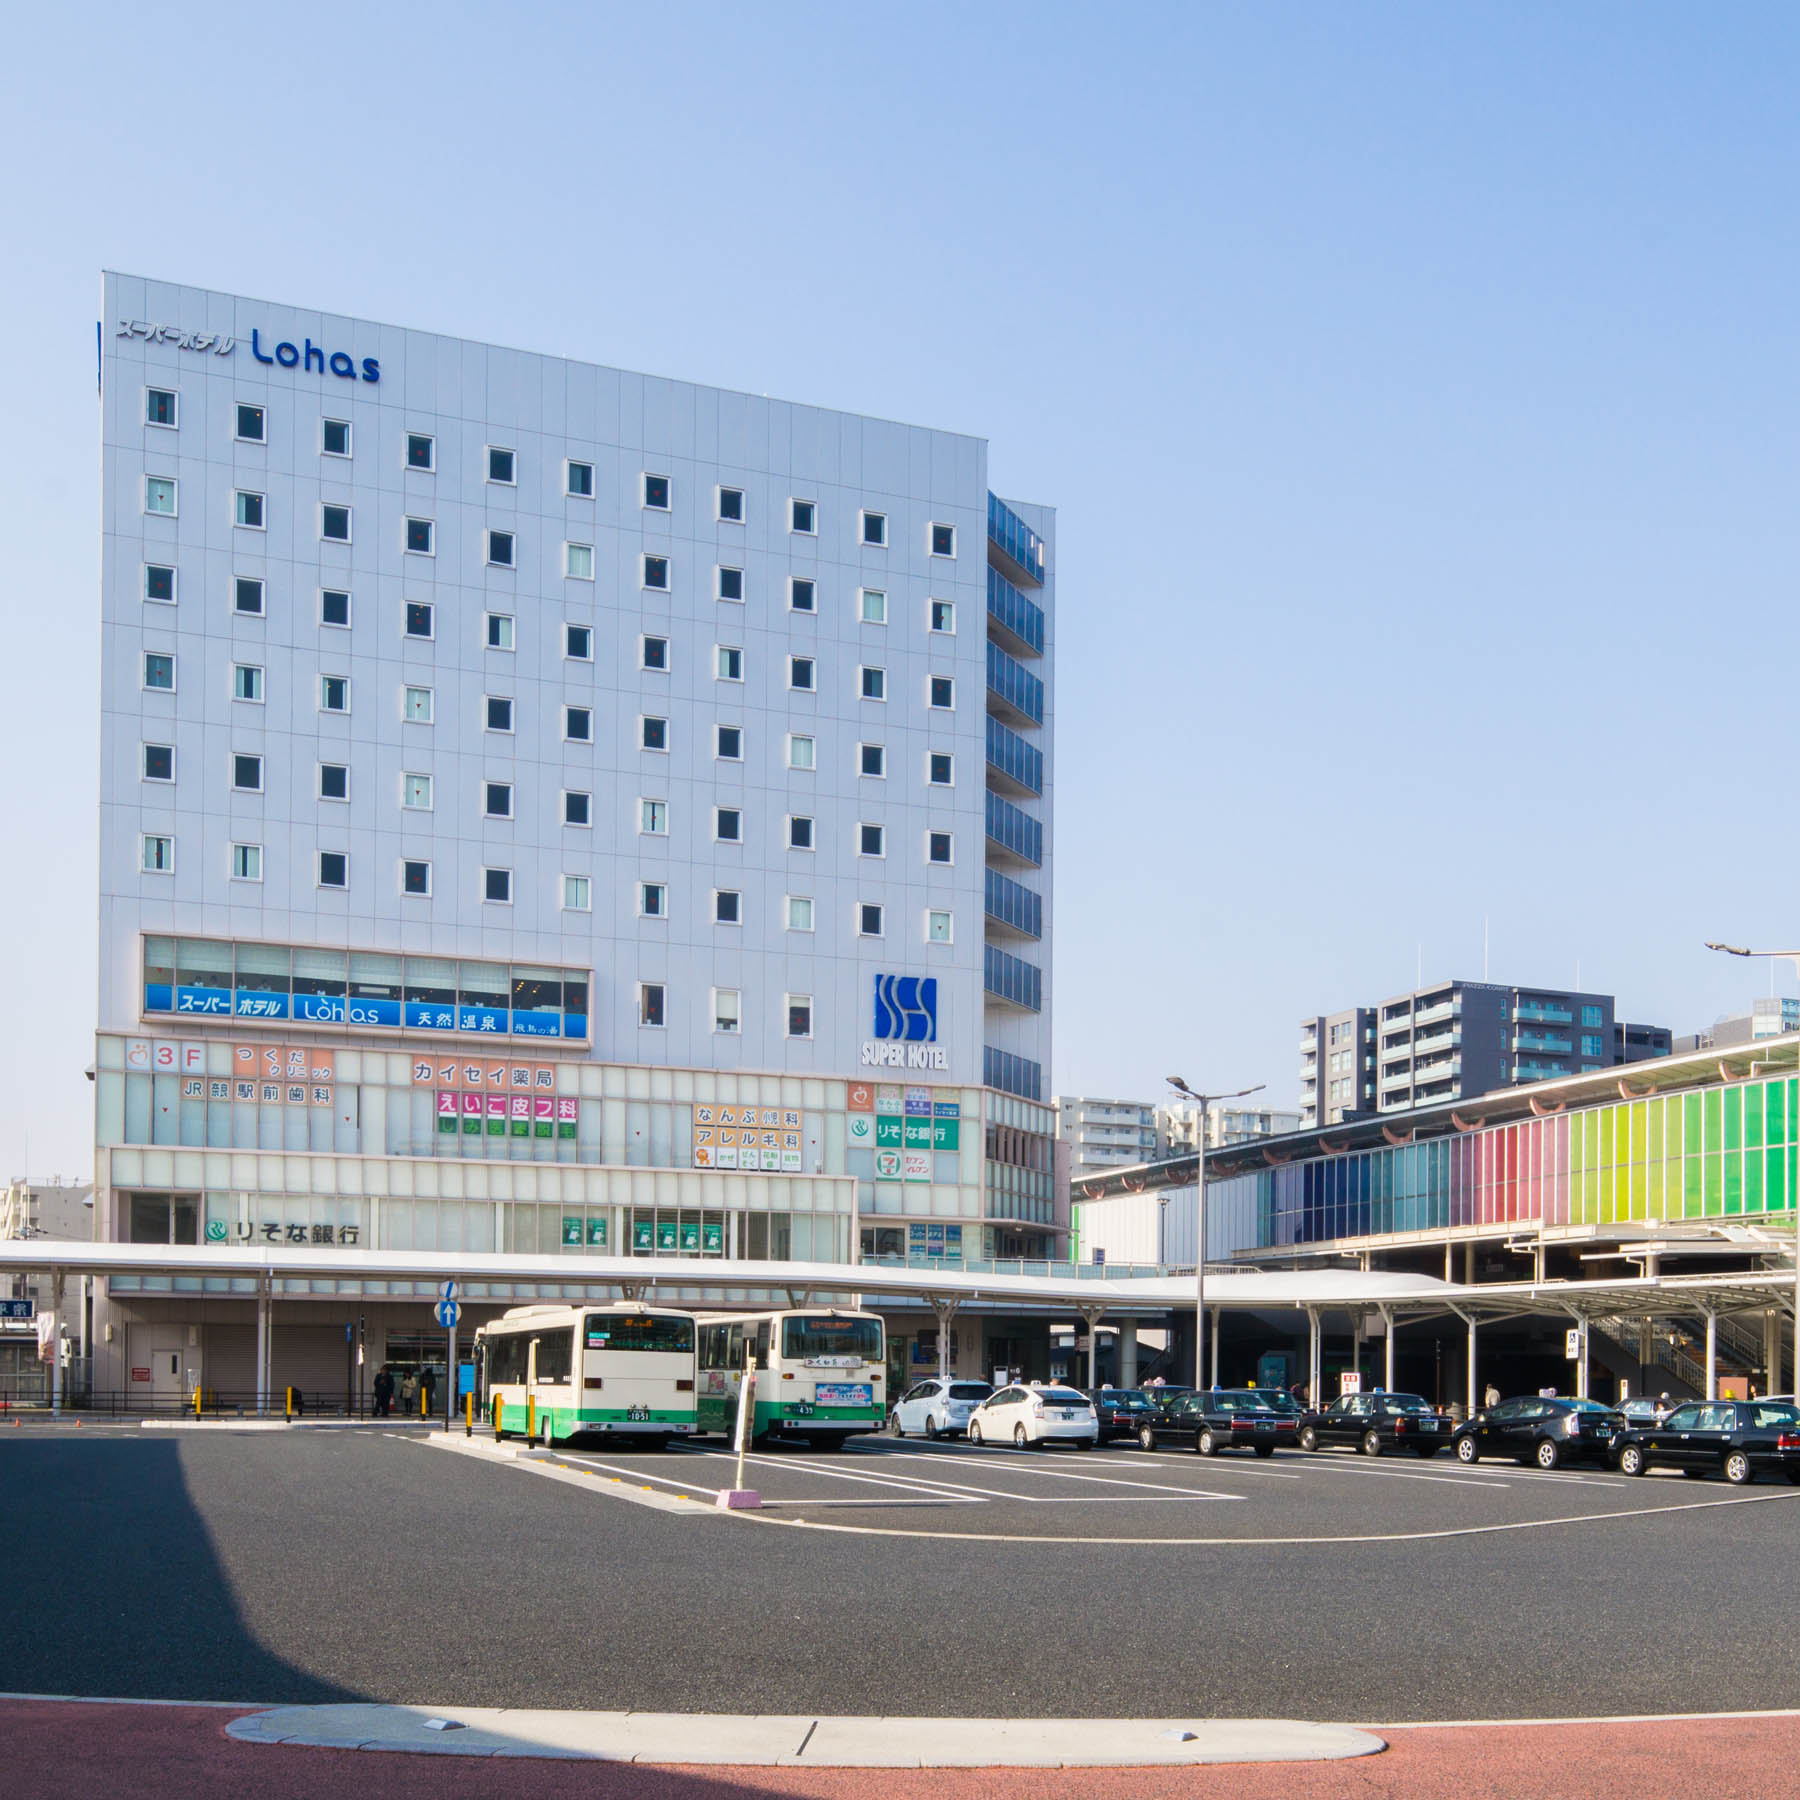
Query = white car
x=1035 y=1415
x=937 y=1407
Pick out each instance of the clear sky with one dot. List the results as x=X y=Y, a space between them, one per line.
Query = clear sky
x=1417 y=386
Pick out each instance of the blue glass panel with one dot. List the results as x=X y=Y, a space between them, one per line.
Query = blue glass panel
x=203 y=1000
x=320 y=1009
x=252 y=1004
x=158 y=997
x=481 y=1018
x=365 y=1011
x=574 y=1025
x=430 y=1015
x=537 y=1024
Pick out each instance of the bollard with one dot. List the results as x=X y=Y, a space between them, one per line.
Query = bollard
x=469 y=1414
x=530 y=1420
x=197 y=1393
x=424 y=1410
x=290 y=1405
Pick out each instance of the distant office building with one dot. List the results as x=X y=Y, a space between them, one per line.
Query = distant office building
x=1638 y=1043
x=1769 y=1017
x=1224 y=1125
x=1337 y=1065
x=1105 y=1134
x=43 y=1209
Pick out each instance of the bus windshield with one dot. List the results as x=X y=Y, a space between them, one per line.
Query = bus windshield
x=804 y=1338
x=639 y=1331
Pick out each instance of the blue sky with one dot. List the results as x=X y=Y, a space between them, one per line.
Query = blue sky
x=1417 y=387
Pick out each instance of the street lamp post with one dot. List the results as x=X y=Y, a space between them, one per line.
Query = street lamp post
x=1204 y=1101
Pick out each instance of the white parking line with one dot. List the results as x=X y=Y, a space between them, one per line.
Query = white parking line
x=1036 y=1468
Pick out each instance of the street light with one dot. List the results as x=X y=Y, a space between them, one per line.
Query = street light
x=1204 y=1101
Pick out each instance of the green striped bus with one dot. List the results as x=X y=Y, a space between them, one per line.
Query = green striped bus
x=821 y=1373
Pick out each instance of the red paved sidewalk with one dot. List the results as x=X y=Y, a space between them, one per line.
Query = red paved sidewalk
x=52 y=1749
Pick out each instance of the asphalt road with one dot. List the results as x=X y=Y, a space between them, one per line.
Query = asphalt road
x=925 y=1580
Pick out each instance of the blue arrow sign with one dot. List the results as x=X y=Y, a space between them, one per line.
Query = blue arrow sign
x=448 y=1312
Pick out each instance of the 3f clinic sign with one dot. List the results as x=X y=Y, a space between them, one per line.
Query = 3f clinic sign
x=906 y=1025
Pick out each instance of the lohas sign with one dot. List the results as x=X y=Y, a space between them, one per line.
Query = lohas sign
x=291 y=356
x=905 y=1025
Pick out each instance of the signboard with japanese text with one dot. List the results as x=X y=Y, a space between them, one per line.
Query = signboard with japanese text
x=748 y=1137
x=478 y=1072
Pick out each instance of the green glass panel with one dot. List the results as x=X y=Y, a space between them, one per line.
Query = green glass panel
x=1655 y=1132
x=1775 y=1180
x=1753 y=1117
x=1732 y=1103
x=1610 y=1144
x=1734 y=1181
x=1693 y=1202
x=1711 y=1126
x=1774 y=1113
x=1753 y=1179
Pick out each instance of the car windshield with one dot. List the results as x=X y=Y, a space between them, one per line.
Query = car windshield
x=970 y=1390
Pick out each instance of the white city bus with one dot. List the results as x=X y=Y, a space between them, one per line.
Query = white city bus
x=821 y=1372
x=619 y=1371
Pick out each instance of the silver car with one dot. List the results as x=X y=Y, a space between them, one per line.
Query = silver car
x=937 y=1407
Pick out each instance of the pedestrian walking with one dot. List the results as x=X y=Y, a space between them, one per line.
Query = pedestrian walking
x=428 y=1386
x=384 y=1392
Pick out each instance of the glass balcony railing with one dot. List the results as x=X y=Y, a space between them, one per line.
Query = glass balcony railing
x=1530 y=1012
x=1012 y=979
x=1009 y=755
x=1021 y=619
x=1014 y=685
x=1011 y=904
x=1011 y=829
x=1011 y=1074
x=1542 y=1040
x=1015 y=540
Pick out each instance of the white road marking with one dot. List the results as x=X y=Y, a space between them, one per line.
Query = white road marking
x=1035 y=1468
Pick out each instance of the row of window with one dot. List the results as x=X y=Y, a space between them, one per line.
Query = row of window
x=656 y=493
x=250 y=600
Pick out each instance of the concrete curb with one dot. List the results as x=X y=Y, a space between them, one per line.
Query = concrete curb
x=773 y=1741
x=288 y=1424
x=542 y=1461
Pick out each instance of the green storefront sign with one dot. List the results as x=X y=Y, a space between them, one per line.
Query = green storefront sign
x=713 y=1235
x=572 y=1233
x=690 y=1236
x=665 y=1234
x=946 y=1134
x=918 y=1135
x=887 y=1132
x=597 y=1234
x=643 y=1235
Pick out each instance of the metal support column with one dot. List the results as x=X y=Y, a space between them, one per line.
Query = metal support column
x=1712 y=1356
x=945 y=1313
x=1582 y=1379
x=1090 y=1319
x=1771 y=1352
x=1215 y=1346
x=1387 y=1319
x=262 y=1344
x=1468 y=1318
x=1315 y=1365
x=1356 y=1341
x=1128 y=1353
x=57 y=1278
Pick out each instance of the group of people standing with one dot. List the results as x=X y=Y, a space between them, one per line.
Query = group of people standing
x=411 y=1384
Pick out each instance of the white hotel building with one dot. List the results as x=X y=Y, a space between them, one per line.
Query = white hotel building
x=546 y=806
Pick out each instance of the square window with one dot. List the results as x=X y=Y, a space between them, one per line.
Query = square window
x=415 y=793
x=157 y=854
x=727 y=906
x=801 y=674
x=801 y=751
x=578 y=724
x=334 y=781
x=421 y=619
x=246 y=774
x=334 y=437
x=941 y=769
x=727 y=1009
x=731 y=505
x=728 y=825
x=730 y=743
x=943 y=691
x=159 y=495
x=500 y=549
x=578 y=480
x=250 y=424
x=938 y=929
x=871 y=759
x=874 y=530
x=653 y=818
x=497 y=799
x=578 y=561
x=497 y=630
x=799 y=912
x=247 y=596
x=246 y=862
x=334 y=693
x=499 y=713
x=942 y=615
x=416 y=705
x=799 y=1015
x=159 y=582
x=872 y=683
x=334 y=524
x=501 y=467
x=653 y=900
x=334 y=869
x=653 y=653
x=415 y=876
x=656 y=492
x=578 y=643
x=800 y=832
x=943 y=540
x=803 y=595
x=496 y=886
x=871 y=840
x=334 y=607
x=868 y=920
x=575 y=894
x=871 y=606
x=421 y=537
x=650 y=1003
x=247 y=683
x=577 y=807
x=159 y=407
x=730 y=584
x=159 y=762
x=656 y=574
x=653 y=734
x=940 y=847
x=803 y=516
x=421 y=451
x=159 y=670
x=728 y=662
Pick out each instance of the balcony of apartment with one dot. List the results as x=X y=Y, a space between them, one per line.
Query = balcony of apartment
x=1015 y=619
x=1400 y=1076
x=1435 y=1090
x=1013 y=908
x=1400 y=1013
x=1446 y=1037
x=1019 y=548
x=1541 y=1040
x=1397 y=1040
x=1011 y=1073
x=1011 y=979
x=1438 y=1009
x=1395 y=1102
x=1438 y=1068
x=1530 y=1069
x=1309 y=1059
x=1019 y=766
x=1014 y=693
x=1013 y=835
x=1536 y=1012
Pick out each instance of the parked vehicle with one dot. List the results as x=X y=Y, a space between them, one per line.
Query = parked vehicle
x=1535 y=1429
x=1224 y=1419
x=1120 y=1410
x=938 y=1407
x=1639 y=1413
x=1373 y=1423
x=1035 y=1415
x=1738 y=1439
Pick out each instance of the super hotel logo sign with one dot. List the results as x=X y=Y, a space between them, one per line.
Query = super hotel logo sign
x=906 y=1024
